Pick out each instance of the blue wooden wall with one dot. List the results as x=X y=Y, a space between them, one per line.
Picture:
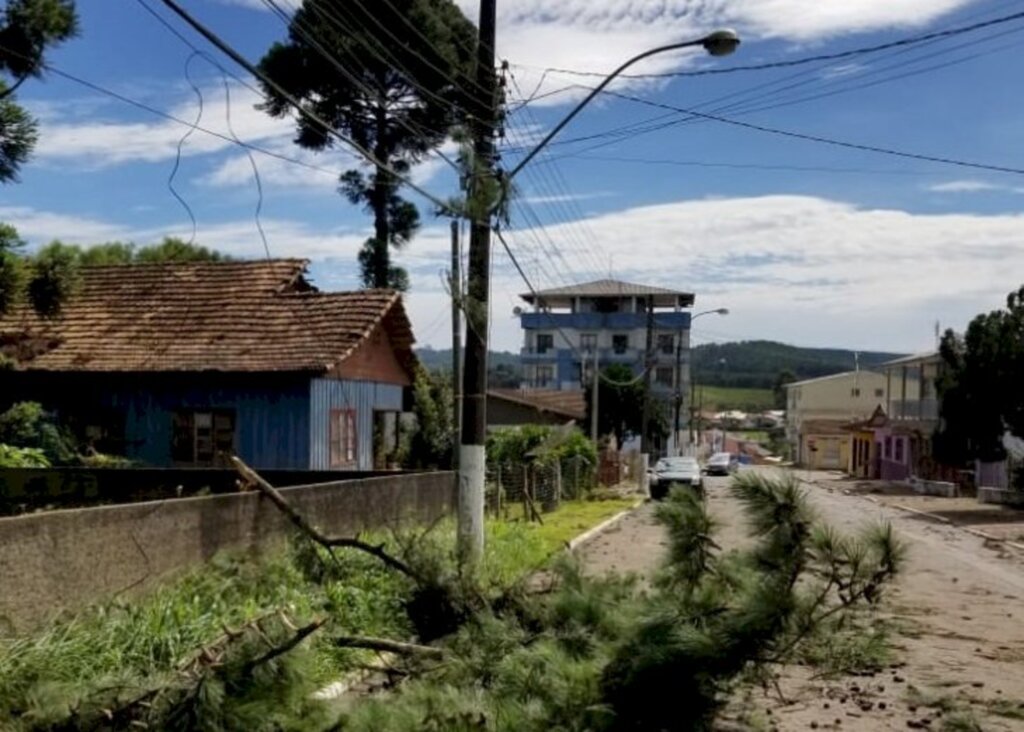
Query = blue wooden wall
x=362 y=396
x=271 y=422
x=271 y=410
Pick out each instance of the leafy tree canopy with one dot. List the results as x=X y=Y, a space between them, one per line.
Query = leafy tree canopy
x=27 y=29
x=980 y=389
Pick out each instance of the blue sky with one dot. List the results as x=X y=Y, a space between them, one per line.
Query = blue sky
x=804 y=242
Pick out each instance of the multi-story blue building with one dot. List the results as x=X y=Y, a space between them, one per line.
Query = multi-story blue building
x=568 y=326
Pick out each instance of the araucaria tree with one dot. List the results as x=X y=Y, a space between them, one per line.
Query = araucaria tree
x=390 y=77
x=27 y=29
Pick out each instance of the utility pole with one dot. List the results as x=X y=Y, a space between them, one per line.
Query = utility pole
x=645 y=433
x=472 y=460
x=679 y=392
x=693 y=409
x=593 y=401
x=456 y=288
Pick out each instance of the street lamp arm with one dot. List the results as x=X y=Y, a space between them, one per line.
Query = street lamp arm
x=718 y=43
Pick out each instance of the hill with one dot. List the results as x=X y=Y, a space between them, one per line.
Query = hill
x=757 y=364
x=745 y=365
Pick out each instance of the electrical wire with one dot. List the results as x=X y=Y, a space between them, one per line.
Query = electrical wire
x=307 y=35
x=840 y=55
x=225 y=48
x=554 y=323
x=252 y=163
x=181 y=143
x=807 y=137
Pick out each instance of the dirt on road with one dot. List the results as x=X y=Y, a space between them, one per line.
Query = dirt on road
x=958 y=607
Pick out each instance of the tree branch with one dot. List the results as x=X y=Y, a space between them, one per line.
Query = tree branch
x=388 y=646
x=254 y=478
x=288 y=645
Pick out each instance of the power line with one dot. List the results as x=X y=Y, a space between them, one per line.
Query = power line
x=181 y=142
x=743 y=166
x=821 y=139
x=840 y=55
x=297 y=105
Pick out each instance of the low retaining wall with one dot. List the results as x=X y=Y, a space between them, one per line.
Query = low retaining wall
x=64 y=560
x=934 y=488
x=1000 y=496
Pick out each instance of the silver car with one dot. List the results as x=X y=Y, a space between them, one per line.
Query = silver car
x=671 y=471
x=722 y=463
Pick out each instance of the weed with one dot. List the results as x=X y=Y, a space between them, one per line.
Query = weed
x=843 y=648
x=962 y=721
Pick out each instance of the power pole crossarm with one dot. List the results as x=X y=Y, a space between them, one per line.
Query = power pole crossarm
x=472 y=460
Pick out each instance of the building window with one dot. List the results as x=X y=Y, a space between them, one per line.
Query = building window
x=855 y=392
x=203 y=437
x=343 y=438
x=898 y=443
x=620 y=343
x=545 y=376
x=879 y=393
x=888 y=448
x=588 y=342
x=666 y=344
x=545 y=342
x=664 y=375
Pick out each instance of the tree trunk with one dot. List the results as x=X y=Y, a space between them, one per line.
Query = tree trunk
x=381 y=193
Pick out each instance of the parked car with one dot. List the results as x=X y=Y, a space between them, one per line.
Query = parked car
x=667 y=472
x=722 y=463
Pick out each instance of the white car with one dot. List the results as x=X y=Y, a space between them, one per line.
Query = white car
x=722 y=463
x=671 y=471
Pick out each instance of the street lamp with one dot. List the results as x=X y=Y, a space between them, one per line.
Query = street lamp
x=679 y=381
x=718 y=43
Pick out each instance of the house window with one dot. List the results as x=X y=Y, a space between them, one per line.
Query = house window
x=666 y=344
x=588 y=342
x=545 y=376
x=855 y=392
x=899 y=449
x=879 y=393
x=545 y=342
x=203 y=437
x=888 y=448
x=664 y=375
x=620 y=343
x=343 y=438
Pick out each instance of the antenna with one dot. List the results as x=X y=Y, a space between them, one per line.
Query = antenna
x=938 y=335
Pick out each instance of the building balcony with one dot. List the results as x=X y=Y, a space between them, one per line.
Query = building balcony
x=603 y=321
x=914 y=409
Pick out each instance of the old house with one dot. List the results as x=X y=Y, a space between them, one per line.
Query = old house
x=184 y=364
x=514 y=407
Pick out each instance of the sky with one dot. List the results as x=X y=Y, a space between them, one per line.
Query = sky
x=804 y=242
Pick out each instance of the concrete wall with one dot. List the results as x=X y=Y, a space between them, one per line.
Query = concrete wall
x=64 y=560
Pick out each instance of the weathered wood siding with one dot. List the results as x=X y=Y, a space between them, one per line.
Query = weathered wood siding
x=364 y=397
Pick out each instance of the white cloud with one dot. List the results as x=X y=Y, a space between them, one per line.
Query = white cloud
x=800 y=269
x=971 y=186
x=99 y=143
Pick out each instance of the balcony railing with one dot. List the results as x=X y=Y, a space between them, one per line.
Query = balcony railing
x=909 y=409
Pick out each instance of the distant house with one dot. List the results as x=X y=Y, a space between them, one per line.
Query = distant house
x=185 y=364
x=818 y=412
x=513 y=407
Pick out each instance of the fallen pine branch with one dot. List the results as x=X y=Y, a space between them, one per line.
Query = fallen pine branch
x=388 y=646
x=300 y=635
x=255 y=479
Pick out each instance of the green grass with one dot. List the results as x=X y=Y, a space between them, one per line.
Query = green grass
x=74 y=656
x=723 y=398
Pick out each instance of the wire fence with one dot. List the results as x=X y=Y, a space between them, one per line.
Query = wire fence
x=530 y=489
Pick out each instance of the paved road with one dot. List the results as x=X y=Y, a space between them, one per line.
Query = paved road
x=961 y=599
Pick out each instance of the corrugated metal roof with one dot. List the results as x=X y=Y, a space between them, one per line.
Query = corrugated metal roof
x=830 y=377
x=212 y=316
x=930 y=356
x=605 y=288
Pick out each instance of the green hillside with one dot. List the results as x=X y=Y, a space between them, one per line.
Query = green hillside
x=742 y=365
x=757 y=364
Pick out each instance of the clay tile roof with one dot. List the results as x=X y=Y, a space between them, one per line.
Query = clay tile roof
x=568 y=404
x=214 y=316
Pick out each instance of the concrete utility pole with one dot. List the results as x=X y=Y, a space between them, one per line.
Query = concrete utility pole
x=679 y=393
x=456 y=288
x=645 y=432
x=472 y=460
